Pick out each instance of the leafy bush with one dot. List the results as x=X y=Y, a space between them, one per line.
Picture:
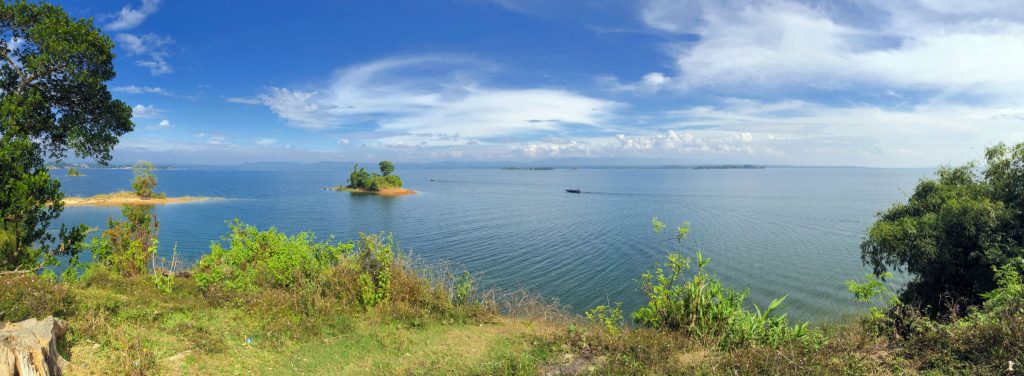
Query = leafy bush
x=374 y=257
x=704 y=308
x=607 y=316
x=127 y=247
x=953 y=231
x=255 y=259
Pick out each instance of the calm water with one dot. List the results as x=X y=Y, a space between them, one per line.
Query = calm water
x=777 y=231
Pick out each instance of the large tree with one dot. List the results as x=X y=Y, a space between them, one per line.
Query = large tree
x=53 y=100
x=953 y=231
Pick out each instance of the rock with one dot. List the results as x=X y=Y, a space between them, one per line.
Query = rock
x=30 y=347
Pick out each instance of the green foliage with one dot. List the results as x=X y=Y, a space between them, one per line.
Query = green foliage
x=386 y=167
x=145 y=180
x=867 y=291
x=54 y=100
x=26 y=295
x=463 y=288
x=72 y=171
x=953 y=231
x=164 y=278
x=607 y=316
x=127 y=247
x=359 y=178
x=704 y=308
x=255 y=260
x=375 y=254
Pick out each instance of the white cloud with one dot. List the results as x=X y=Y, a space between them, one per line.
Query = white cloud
x=145 y=112
x=964 y=49
x=157 y=64
x=396 y=95
x=130 y=17
x=163 y=124
x=266 y=141
x=343 y=141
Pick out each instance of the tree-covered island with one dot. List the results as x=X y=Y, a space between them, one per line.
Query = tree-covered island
x=386 y=183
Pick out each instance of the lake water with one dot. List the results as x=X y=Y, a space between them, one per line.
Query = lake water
x=776 y=231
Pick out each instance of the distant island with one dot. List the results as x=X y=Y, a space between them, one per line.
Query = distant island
x=729 y=167
x=384 y=184
x=72 y=171
x=143 y=185
x=529 y=168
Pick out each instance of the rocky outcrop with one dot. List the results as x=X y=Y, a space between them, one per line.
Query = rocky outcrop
x=29 y=348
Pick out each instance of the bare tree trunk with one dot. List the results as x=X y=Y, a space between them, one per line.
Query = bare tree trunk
x=29 y=348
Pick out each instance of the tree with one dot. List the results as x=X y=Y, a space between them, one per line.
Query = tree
x=145 y=180
x=953 y=231
x=73 y=171
x=53 y=74
x=386 y=168
x=359 y=178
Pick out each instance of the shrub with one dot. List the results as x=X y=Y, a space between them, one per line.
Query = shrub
x=127 y=247
x=145 y=180
x=702 y=307
x=607 y=316
x=26 y=295
x=254 y=260
x=374 y=257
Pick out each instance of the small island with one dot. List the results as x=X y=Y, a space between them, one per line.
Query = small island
x=386 y=183
x=143 y=185
x=72 y=171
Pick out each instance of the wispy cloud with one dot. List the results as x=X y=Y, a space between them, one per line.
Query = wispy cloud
x=152 y=47
x=401 y=100
x=133 y=89
x=130 y=17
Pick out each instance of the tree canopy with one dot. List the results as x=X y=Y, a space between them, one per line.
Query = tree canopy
x=386 y=167
x=53 y=100
x=954 y=231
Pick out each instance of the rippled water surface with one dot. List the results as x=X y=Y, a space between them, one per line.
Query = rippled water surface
x=776 y=231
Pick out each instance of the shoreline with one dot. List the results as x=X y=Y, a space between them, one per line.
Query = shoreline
x=123 y=197
x=389 y=192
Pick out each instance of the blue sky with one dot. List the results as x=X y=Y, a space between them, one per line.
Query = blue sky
x=873 y=83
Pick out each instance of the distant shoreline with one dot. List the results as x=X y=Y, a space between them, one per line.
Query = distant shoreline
x=122 y=198
x=382 y=192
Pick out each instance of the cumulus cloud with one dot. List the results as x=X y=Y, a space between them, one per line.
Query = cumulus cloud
x=130 y=17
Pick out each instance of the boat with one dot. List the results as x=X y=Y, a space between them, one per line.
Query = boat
x=577 y=190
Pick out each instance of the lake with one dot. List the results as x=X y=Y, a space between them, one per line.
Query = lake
x=776 y=231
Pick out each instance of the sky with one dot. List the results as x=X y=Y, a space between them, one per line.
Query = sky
x=884 y=83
